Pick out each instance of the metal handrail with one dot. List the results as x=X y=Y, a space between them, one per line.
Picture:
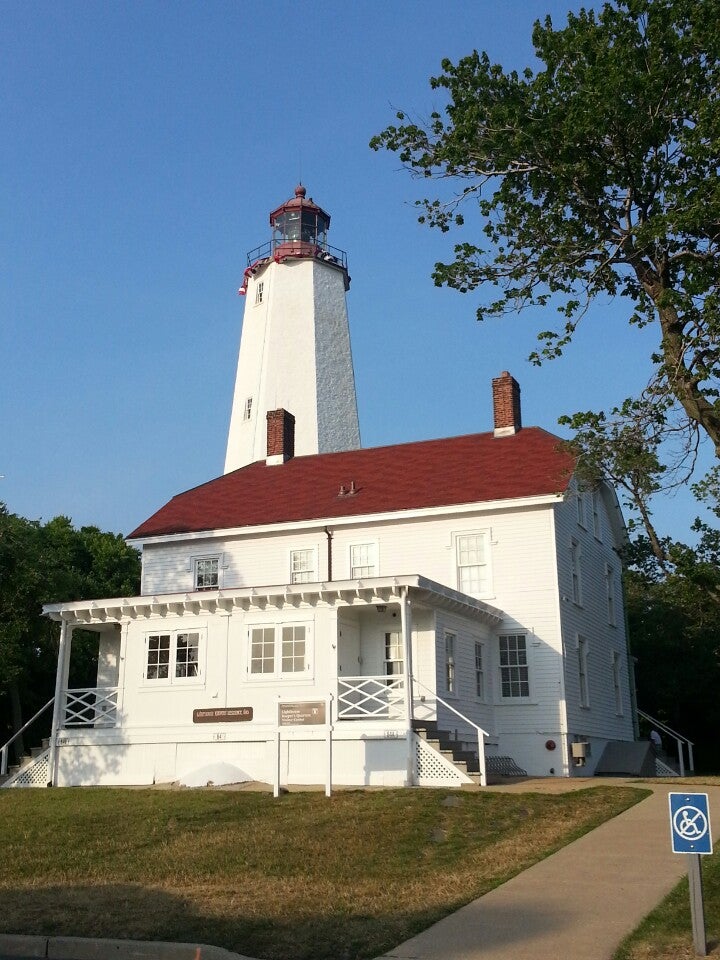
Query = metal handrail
x=481 y=734
x=5 y=748
x=679 y=739
x=267 y=249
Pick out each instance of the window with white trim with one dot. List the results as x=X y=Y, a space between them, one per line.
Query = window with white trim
x=597 y=525
x=393 y=663
x=279 y=651
x=582 y=652
x=575 y=573
x=173 y=657
x=580 y=505
x=206 y=573
x=471 y=554
x=259 y=290
x=617 y=689
x=302 y=566
x=247 y=408
x=450 y=653
x=514 y=669
x=479 y=671
x=610 y=593
x=363 y=560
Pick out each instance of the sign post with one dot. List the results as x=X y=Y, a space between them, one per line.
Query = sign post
x=305 y=713
x=691 y=835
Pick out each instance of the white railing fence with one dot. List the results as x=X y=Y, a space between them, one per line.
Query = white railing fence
x=6 y=746
x=368 y=698
x=90 y=707
x=481 y=734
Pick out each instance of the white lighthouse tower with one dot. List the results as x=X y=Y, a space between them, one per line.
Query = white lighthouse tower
x=295 y=343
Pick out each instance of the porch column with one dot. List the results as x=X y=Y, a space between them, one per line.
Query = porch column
x=406 y=626
x=61 y=679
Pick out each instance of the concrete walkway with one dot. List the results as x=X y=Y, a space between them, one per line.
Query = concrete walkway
x=577 y=904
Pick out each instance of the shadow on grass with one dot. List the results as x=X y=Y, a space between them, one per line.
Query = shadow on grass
x=135 y=912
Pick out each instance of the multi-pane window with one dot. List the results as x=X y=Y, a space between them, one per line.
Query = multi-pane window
x=363 y=560
x=472 y=564
x=580 y=504
x=479 y=671
x=597 y=527
x=610 y=593
x=514 y=672
x=279 y=650
x=259 y=290
x=582 y=649
x=173 y=657
x=450 y=650
x=207 y=573
x=615 y=667
x=393 y=654
x=247 y=408
x=575 y=572
x=302 y=566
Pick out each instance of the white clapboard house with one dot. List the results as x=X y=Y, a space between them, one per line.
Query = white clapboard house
x=424 y=613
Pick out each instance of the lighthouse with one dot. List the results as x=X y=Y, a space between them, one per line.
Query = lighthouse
x=295 y=343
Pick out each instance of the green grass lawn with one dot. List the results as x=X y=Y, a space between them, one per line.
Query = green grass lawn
x=299 y=877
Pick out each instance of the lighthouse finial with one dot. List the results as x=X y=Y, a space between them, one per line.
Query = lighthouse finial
x=300 y=191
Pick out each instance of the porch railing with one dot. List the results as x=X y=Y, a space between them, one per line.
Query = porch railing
x=371 y=698
x=90 y=707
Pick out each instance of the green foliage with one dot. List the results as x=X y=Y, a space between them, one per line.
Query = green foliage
x=597 y=174
x=47 y=563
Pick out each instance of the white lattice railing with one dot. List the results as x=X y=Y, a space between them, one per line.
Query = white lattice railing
x=371 y=698
x=90 y=707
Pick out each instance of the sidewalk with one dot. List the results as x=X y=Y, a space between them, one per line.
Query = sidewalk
x=579 y=903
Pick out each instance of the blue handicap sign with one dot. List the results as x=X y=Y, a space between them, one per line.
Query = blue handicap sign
x=690 y=823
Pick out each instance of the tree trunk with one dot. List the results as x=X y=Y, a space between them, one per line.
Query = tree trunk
x=17 y=720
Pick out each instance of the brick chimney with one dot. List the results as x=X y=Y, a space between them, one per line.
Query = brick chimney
x=506 y=405
x=280 y=437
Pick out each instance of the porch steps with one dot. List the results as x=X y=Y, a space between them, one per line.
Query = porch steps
x=463 y=757
x=36 y=758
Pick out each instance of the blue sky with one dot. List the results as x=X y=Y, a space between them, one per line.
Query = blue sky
x=142 y=147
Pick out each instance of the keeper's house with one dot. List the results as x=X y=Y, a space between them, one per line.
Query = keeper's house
x=424 y=613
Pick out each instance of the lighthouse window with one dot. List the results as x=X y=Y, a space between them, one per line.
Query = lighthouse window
x=259 y=292
x=247 y=409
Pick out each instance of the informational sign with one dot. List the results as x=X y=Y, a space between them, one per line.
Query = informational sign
x=690 y=823
x=302 y=714
x=223 y=715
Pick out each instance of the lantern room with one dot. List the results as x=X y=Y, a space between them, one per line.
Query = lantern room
x=300 y=221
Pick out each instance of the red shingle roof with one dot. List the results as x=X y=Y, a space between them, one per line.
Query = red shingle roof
x=408 y=476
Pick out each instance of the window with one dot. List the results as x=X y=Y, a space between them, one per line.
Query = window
x=279 y=650
x=479 y=672
x=575 y=572
x=582 y=651
x=363 y=560
x=450 y=645
x=615 y=667
x=610 y=593
x=514 y=673
x=302 y=566
x=472 y=565
x=247 y=409
x=393 y=662
x=580 y=504
x=597 y=526
x=173 y=657
x=207 y=573
x=259 y=288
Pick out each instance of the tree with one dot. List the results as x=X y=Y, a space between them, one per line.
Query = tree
x=596 y=174
x=46 y=563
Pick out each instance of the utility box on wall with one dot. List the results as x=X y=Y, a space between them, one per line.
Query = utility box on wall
x=580 y=752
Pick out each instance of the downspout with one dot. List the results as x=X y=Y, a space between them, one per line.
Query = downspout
x=406 y=626
x=329 y=535
x=60 y=681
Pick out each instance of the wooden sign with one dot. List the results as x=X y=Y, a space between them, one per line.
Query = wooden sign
x=304 y=713
x=223 y=715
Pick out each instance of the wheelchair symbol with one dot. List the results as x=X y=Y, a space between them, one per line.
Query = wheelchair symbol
x=690 y=823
